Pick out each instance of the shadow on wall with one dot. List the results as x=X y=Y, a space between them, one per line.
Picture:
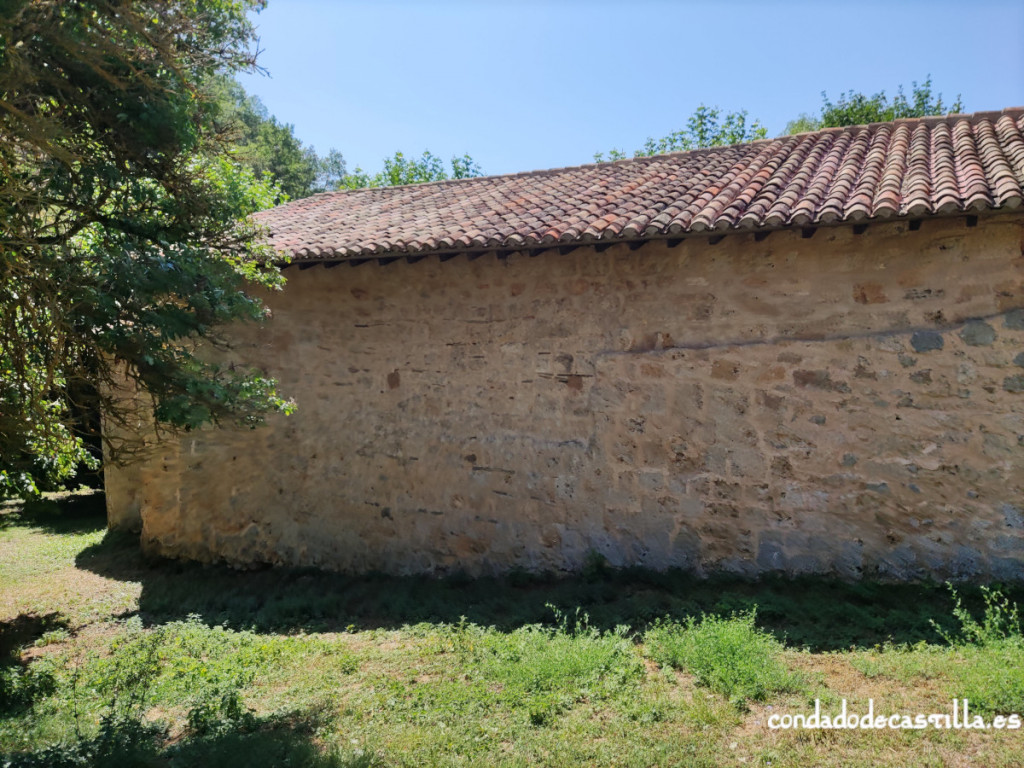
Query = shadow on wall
x=813 y=612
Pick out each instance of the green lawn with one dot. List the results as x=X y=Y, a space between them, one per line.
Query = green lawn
x=108 y=659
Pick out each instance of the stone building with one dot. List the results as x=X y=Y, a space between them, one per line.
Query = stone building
x=802 y=354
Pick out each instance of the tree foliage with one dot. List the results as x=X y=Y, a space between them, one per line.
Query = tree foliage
x=854 y=108
x=270 y=148
x=706 y=127
x=273 y=152
x=803 y=123
x=399 y=170
x=124 y=242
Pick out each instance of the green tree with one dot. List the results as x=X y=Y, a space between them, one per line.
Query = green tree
x=124 y=237
x=269 y=147
x=803 y=123
x=853 y=108
x=399 y=170
x=706 y=127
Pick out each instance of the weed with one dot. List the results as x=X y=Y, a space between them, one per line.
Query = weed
x=550 y=669
x=179 y=666
x=991 y=675
x=52 y=637
x=728 y=655
x=708 y=712
x=904 y=663
x=21 y=686
x=118 y=743
x=537 y=670
x=1000 y=622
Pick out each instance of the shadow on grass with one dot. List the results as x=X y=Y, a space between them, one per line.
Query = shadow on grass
x=271 y=743
x=817 y=613
x=23 y=630
x=21 y=685
x=72 y=513
x=270 y=747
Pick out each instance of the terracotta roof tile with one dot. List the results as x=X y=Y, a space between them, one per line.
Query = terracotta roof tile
x=910 y=168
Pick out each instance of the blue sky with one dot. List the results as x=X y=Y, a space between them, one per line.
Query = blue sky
x=528 y=85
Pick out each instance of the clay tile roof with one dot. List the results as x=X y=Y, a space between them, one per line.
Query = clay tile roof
x=933 y=166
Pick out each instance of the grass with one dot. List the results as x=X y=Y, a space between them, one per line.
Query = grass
x=982 y=662
x=731 y=656
x=109 y=659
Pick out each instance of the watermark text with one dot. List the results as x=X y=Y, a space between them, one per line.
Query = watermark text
x=958 y=717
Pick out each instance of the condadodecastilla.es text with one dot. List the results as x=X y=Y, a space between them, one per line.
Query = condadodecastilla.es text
x=958 y=717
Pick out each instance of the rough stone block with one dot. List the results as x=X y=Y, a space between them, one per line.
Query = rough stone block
x=978 y=334
x=1014 y=384
x=1013 y=515
x=1014 y=320
x=770 y=554
x=927 y=341
x=1009 y=569
x=900 y=563
x=966 y=562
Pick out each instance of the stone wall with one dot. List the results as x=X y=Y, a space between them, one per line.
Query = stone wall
x=844 y=403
